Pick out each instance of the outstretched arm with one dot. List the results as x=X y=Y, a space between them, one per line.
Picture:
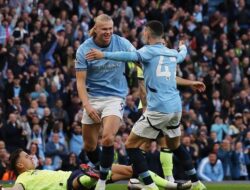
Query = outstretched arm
x=117 y=56
x=182 y=53
x=195 y=85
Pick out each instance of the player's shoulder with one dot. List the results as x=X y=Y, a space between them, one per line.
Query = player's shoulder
x=120 y=39
x=117 y=37
x=174 y=51
x=88 y=43
x=170 y=52
x=147 y=49
x=23 y=176
x=123 y=43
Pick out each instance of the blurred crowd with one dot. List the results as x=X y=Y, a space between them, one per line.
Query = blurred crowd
x=40 y=110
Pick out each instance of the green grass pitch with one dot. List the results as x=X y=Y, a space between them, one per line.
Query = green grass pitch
x=220 y=186
x=209 y=187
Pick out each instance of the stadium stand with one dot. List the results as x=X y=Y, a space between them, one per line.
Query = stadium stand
x=38 y=96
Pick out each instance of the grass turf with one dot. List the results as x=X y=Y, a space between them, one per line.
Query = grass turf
x=209 y=187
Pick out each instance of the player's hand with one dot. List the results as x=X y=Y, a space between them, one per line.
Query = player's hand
x=198 y=86
x=94 y=54
x=92 y=113
x=181 y=42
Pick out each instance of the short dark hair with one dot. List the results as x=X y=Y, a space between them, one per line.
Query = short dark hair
x=13 y=160
x=156 y=28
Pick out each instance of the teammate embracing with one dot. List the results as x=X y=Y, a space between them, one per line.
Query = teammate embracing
x=163 y=112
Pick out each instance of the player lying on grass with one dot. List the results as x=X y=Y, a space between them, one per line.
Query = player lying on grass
x=28 y=178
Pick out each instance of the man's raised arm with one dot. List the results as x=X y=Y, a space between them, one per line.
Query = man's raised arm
x=182 y=52
x=117 y=56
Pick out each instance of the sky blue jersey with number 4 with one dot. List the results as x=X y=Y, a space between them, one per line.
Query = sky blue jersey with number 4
x=159 y=70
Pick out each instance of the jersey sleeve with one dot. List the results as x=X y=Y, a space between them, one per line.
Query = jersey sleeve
x=80 y=61
x=121 y=56
x=128 y=46
x=181 y=54
x=144 y=54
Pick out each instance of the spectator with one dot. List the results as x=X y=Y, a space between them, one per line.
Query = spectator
x=71 y=163
x=210 y=168
x=247 y=140
x=3 y=153
x=153 y=159
x=15 y=106
x=56 y=150
x=242 y=15
x=213 y=137
x=47 y=122
x=13 y=129
x=219 y=127
x=237 y=130
x=246 y=117
x=128 y=10
x=48 y=164
x=198 y=14
x=131 y=110
x=227 y=86
x=38 y=42
x=14 y=89
x=154 y=12
x=225 y=155
x=38 y=91
x=240 y=162
x=202 y=142
x=120 y=151
x=59 y=113
x=186 y=141
x=26 y=128
x=6 y=31
x=35 y=154
x=58 y=129
x=76 y=141
x=216 y=102
x=8 y=174
x=39 y=111
x=37 y=137
x=242 y=102
x=204 y=40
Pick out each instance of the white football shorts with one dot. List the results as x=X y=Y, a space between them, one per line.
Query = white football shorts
x=105 y=106
x=153 y=123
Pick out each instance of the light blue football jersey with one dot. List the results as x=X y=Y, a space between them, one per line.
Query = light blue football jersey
x=104 y=77
x=159 y=70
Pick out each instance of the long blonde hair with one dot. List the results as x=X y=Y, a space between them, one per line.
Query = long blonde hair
x=99 y=18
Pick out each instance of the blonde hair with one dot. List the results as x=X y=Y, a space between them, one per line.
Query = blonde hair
x=99 y=19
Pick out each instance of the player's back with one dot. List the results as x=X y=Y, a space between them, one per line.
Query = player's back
x=159 y=65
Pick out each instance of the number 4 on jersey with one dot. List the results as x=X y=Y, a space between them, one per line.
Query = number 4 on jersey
x=162 y=70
